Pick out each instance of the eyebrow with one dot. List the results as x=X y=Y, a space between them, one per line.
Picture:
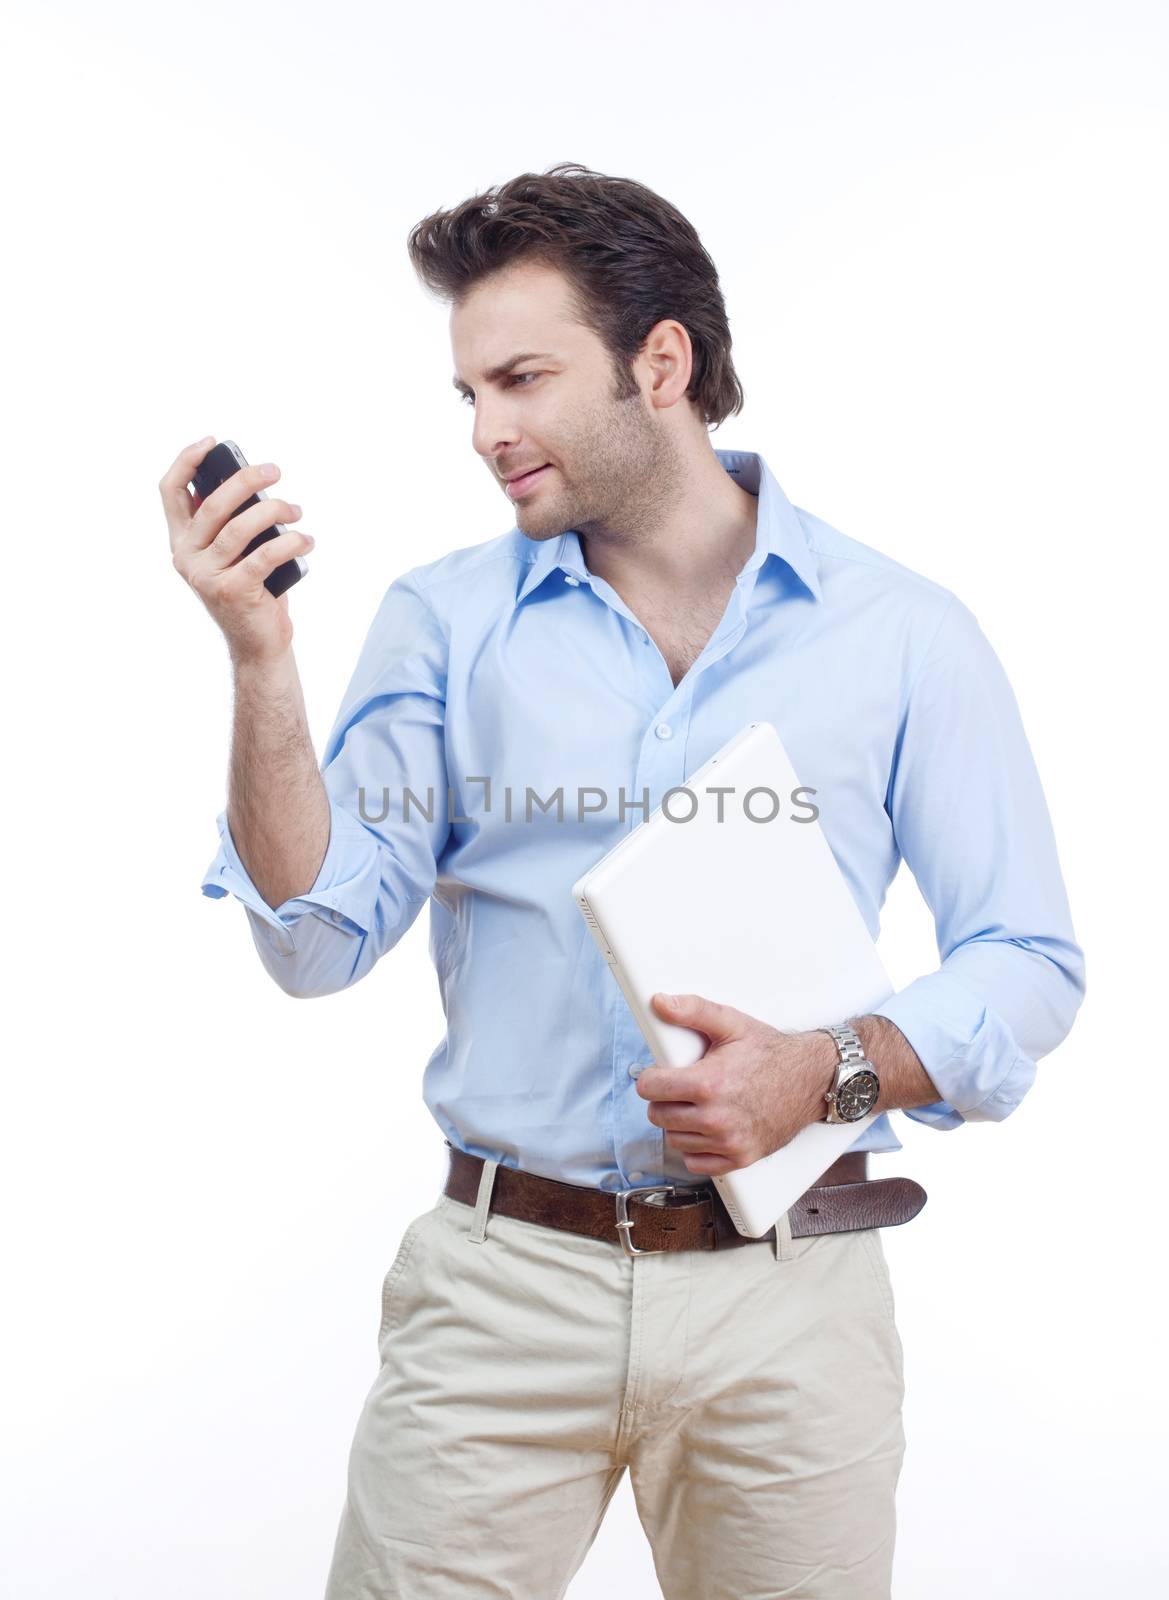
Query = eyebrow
x=505 y=367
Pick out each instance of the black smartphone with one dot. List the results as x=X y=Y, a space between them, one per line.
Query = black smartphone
x=221 y=462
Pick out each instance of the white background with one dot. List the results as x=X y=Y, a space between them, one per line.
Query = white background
x=942 y=239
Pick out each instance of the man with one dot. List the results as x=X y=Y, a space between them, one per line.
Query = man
x=653 y=596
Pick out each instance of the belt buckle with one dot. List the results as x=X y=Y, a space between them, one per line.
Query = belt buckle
x=625 y=1221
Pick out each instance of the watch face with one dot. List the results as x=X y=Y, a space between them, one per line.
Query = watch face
x=857 y=1095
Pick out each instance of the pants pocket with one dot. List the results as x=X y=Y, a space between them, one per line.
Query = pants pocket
x=875 y=1251
x=393 y=1276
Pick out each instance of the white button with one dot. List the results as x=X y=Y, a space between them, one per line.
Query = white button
x=664 y=731
x=636 y=1177
x=634 y=1068
x=337 y=917
x=568 y=578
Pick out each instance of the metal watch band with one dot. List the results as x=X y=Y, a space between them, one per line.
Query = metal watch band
x=852 y=1052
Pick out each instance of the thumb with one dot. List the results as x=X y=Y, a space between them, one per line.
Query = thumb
x=695 y=1011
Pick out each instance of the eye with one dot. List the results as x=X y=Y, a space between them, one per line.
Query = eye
x=516 y=377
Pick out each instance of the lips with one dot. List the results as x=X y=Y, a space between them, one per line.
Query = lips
x=520 y=485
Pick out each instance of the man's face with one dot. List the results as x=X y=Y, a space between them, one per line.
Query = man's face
x=605 y=459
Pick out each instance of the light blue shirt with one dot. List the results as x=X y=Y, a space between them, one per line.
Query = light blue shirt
x=508 y=665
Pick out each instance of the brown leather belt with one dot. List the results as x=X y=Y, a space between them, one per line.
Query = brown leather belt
x=686 y=1216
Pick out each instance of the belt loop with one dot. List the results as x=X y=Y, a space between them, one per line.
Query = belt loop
x=783 y=1238
x=478 y=1230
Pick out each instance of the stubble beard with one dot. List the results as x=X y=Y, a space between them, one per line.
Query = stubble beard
x=624 y=472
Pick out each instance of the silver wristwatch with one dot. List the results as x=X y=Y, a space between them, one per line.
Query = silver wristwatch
x=855 y=1092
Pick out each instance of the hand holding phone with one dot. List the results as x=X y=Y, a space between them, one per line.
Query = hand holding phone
x=221 y=462
x=227 y=547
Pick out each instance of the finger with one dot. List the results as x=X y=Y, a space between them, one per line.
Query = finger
x=691 y=1143
x=683 y=1085
x=695 y=1011
x=180 y=505
x=238 y=532
x=222 y=503
x=273 y=552
x=708 y=1166
x=677 y=1116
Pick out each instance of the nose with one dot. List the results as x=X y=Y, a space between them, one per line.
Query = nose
x=495 y=431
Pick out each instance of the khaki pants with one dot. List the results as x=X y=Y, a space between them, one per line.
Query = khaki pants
x=754 y=1395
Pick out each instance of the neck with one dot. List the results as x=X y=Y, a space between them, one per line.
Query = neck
x=698 y=537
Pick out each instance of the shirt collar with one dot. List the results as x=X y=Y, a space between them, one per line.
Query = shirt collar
x=778 y=532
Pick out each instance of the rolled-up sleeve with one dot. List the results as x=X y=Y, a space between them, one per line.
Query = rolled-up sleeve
x=972 y=824
x=382 y=858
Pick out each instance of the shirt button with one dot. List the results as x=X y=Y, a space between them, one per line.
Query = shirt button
x=336 y=916
x=634 y=1069
x=664 y=731
x=611 y=1181
x=636 y=1177
x=568 y=578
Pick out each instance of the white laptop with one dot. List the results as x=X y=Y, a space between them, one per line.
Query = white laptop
x=755 y=914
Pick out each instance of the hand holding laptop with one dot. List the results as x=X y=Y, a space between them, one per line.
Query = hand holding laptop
x=754 y=916
x=754 y=1089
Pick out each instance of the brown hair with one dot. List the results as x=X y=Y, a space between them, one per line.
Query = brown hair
x=631 y=259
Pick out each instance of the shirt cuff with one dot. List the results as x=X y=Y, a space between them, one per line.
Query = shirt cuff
x=344 y=892
x=965 y=1047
